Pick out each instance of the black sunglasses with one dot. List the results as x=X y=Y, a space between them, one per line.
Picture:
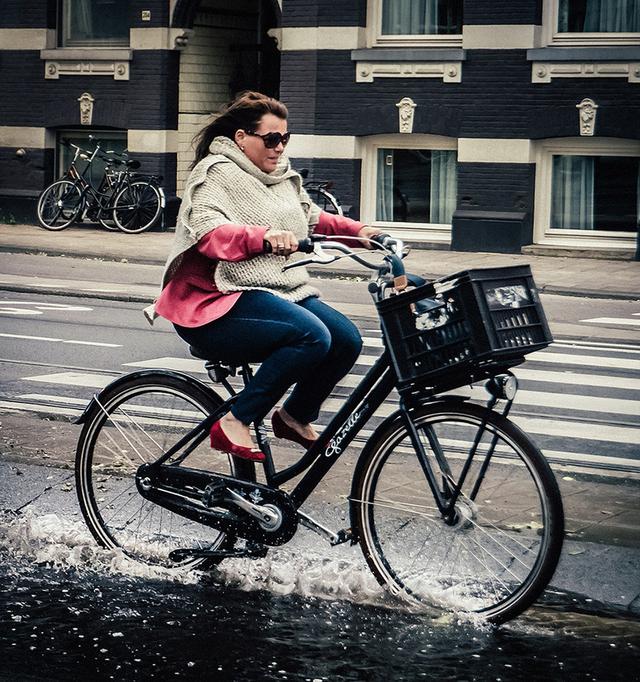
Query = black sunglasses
x=272 y=140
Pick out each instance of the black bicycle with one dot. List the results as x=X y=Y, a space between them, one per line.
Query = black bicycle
x=320 y=193
x=123 y=199
x=450 y=501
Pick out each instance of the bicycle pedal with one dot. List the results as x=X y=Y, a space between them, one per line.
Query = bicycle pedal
x=253 y=551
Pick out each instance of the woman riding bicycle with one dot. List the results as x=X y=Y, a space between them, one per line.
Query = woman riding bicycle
x=232 y=301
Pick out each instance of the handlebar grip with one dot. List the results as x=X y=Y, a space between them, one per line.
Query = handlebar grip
x=382 y=239
x=304 y=246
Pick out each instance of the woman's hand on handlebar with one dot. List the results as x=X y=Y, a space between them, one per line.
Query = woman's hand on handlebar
x=367 y=233
x=282 y=242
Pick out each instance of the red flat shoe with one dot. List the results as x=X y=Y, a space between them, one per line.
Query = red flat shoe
x=283 y=430
x=219 y=441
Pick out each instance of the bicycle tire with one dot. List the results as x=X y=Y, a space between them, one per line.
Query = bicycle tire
x=137 y=421
x=502 y=552
x=325 y=200
x=59 y=205
x=137 y=207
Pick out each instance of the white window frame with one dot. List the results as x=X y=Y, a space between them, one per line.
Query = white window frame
x=555 y=38
x=433 y=232
x=570 y=146
x=375 y=37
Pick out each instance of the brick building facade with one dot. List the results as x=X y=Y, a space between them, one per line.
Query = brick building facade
x=489 y=125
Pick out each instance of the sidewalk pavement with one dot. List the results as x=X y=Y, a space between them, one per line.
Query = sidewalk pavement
x=591 y=277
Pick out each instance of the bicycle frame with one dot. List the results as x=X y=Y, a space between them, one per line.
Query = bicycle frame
x=369 y=394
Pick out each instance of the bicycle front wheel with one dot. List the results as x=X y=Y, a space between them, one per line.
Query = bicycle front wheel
x=499 y=553
x=137 y=207
x=133 y=424
x=59 y=205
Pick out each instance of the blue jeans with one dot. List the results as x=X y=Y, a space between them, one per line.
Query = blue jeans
x=308 y=344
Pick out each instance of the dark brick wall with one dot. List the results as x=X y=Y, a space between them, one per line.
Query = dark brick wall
x=495 y=99
x=502 y=12
x=147 y=101
x=324 y=13
x=27 y=14
x=345 y=174
x=42 y=13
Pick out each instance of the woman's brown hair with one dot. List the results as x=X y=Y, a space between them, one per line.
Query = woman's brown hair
x=243 y=113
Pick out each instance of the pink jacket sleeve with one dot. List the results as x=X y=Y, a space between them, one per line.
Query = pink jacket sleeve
x=333 y=225
x=232 y=242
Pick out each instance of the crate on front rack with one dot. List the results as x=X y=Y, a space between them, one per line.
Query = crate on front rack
x=464 y=322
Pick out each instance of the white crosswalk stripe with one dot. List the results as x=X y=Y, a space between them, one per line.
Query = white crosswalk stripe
x=572 y=401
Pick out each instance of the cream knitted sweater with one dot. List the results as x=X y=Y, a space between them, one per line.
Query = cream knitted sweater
x=226 y=187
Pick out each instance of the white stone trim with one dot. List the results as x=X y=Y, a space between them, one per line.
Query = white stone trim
x=449 y=72
x=586 y=239
x=324 y=147
x=26 y=38
x=501 y=37
x=24 y=136
x=494 y=150
x=544 y=72
x=75 y=61
x=158 y=38
x=152 y=141
x=319 y=37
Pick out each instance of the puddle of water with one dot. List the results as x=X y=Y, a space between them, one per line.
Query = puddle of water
x=69 y=609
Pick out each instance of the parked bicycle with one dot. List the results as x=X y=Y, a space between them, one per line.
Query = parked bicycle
x=450 y=501
x=122 y=200
x=320 y=194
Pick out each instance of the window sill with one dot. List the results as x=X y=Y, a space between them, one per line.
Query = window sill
x=584 y=62
x=91 y=61
x=437 y=62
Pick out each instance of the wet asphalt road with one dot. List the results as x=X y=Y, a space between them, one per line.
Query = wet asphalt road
x=69 y=610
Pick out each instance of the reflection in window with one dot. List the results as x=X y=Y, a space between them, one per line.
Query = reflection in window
x=115 y=141
x=416 y=186
x=421 y=17
x=595 y=193
x=95 y=22
x=599 y=16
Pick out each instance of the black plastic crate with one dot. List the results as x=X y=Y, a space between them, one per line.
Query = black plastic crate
x=463 y=322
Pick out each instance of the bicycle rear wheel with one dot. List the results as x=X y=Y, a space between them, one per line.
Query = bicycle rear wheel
x=135 y=423
x=137 y=207
x=59 y=205
x=500 y=553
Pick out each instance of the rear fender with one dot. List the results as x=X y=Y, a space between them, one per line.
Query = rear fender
x=147 y=374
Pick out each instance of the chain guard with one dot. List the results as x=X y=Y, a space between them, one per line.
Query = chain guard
x=203 y=497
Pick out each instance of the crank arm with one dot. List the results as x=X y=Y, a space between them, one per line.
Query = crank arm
x=343 y=535
x=252 y=551
x=261 y=513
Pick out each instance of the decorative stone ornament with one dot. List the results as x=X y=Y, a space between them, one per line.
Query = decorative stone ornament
x=406 y=107
x=587 y=116
x=86 y=108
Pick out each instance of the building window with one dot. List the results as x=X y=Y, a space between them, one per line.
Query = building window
x=110 y=140
x=415 y=186
x=587 y=193
x=416 y=22
x=599 y=16
x=94 y=23
x=595 y=193
x=421 y=17
x=593 y=22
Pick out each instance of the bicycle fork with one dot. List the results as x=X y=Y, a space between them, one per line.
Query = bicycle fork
x=447 y=496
